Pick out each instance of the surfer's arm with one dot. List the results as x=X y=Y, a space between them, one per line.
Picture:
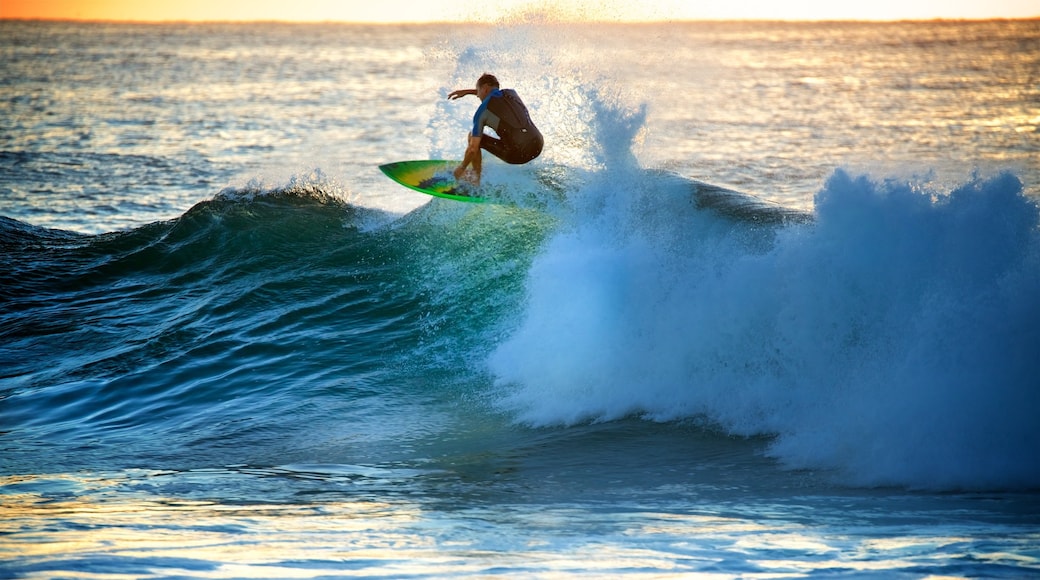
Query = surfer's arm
x=461 y=93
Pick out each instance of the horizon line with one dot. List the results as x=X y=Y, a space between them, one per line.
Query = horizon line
x=505 y=21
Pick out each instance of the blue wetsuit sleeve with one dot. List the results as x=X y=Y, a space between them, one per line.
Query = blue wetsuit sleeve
x=478 y=117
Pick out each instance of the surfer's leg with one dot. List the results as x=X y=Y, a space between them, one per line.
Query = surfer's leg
x=496 y=147
x=514 y=153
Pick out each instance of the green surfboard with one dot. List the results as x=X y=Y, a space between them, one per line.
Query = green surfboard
x=432 y=177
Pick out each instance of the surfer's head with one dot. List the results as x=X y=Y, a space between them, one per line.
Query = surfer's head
x=485 y=84
x=487 y=79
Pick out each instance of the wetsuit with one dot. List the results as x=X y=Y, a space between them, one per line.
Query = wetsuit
x=519 y=140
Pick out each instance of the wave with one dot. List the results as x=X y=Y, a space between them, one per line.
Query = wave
x=887 y=338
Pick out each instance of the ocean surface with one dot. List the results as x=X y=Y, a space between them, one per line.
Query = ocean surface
x=768 y=305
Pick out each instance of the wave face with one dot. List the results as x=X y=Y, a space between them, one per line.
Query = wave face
x=257 y=326
x=893 y=339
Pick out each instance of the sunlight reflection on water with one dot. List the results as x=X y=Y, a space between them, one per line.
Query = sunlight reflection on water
x=82 y=526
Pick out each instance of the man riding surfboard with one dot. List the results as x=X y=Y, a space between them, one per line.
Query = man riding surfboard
x=501 y=109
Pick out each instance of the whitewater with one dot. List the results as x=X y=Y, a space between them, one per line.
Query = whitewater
x=767 y=305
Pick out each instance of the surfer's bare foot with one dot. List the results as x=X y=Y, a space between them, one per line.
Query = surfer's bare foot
x=467 y=177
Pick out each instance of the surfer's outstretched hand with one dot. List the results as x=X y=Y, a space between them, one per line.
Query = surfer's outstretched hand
x=458 y=93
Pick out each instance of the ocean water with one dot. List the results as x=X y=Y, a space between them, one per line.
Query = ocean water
x=767 y=306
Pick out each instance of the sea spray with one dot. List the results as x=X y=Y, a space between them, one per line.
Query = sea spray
x=893 y=340
x=939 y=388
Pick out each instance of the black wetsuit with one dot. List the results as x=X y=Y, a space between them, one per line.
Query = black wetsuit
x=519 y=140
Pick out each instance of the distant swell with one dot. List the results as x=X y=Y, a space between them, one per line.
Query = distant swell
x=895 y=339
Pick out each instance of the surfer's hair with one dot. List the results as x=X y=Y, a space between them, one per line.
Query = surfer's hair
x=487 y=79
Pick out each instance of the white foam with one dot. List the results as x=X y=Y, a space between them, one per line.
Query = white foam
x=895 y=340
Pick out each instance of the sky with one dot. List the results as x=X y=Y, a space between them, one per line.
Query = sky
x=491 y=10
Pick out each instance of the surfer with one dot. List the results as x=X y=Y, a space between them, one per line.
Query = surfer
x=518 y=142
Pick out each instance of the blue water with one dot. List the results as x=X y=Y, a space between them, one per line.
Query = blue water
x=229 y=348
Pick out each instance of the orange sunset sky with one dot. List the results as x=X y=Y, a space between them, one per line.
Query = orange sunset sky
x=473 y=10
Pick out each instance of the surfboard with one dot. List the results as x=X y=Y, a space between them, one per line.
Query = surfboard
x=432 y=177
